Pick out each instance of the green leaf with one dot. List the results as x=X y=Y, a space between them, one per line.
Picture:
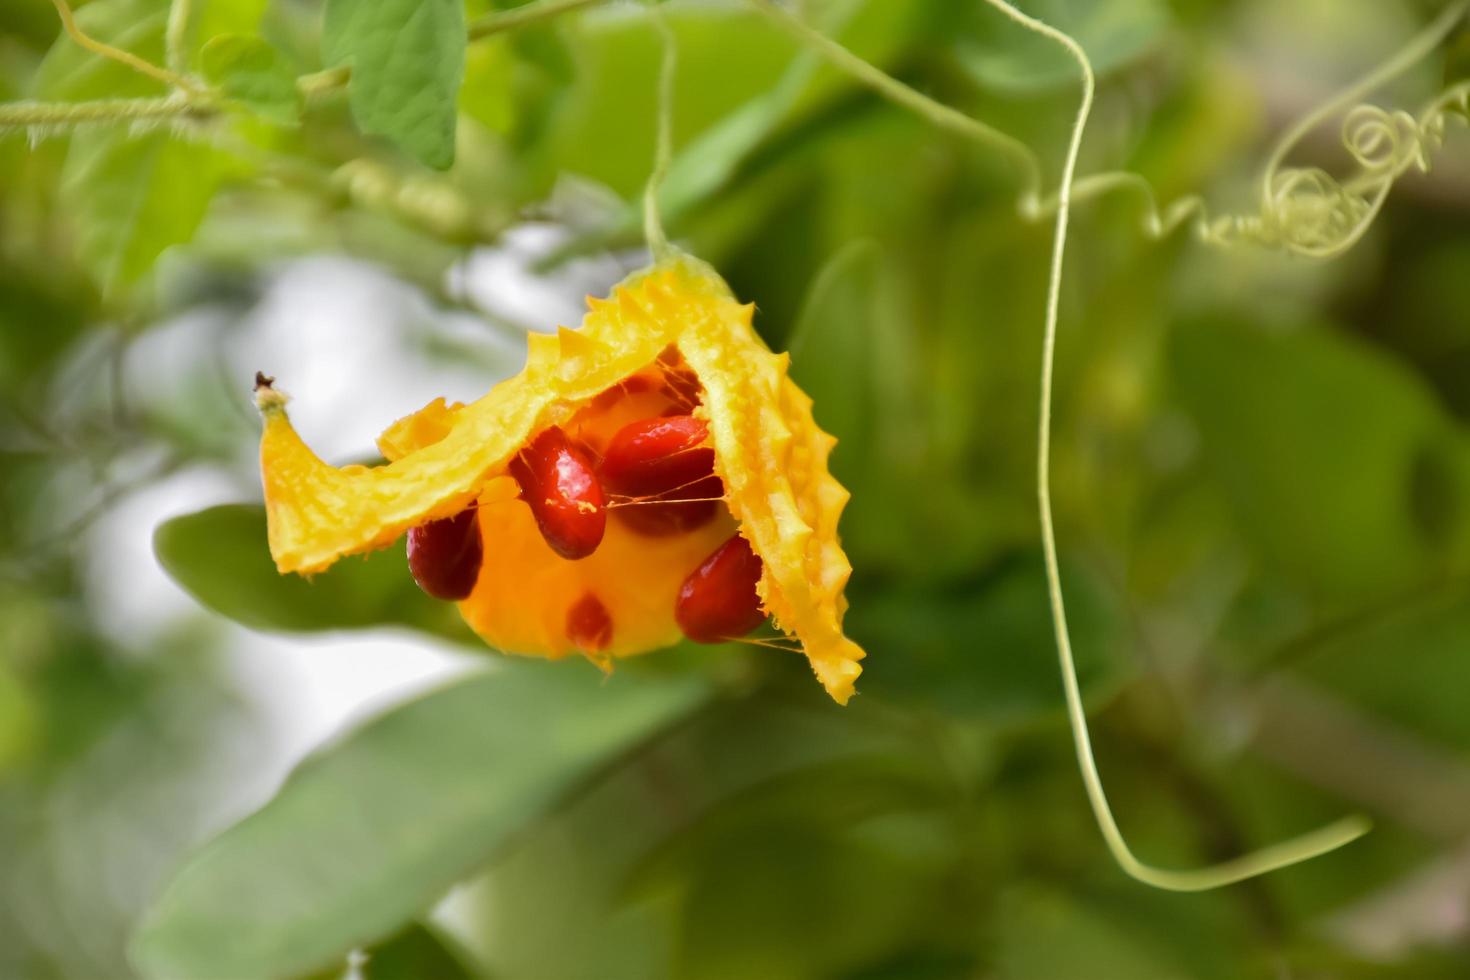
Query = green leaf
x=220 y=557
x=487 y=95
x=1408 y=662
x=985 y=650
x=1047 y=934
x=414 y=953
x=17 y=719
x=407 y=59
x=1320 y=445
x=368 y=833
x=217 y=17
x=132 y=197
x=790 y=898
x=250 y=71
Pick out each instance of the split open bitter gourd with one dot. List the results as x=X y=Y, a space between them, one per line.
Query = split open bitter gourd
x=652 y=473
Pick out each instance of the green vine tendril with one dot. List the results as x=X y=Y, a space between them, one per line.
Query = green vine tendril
x=1259 y=862
x=1305 y=211
x=653 y=226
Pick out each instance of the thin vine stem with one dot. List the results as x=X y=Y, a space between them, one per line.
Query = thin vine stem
x=1304 y=211
x=907 y=97
x=1259 y=862
x=653 y=226
x=176 y=34
x=137 y=64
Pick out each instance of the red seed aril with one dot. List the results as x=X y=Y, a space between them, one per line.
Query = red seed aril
x=589 y=624
x=558 y=482
x=718 y=600
x=663 y=459
x=653 y=456
x=444 y=556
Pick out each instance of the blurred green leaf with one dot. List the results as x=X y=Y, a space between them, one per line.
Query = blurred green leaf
x=220 y=557
x=1408 y=661
x=252 y=72
x=407 y=59
x=132 y=197
x=17 y=719
x=788 y=900
x=214 y=18
x=414 y=953
x=1047 y=935
x=368 y=832
x=766 y=754
x=487 y=96
x=605 y=129
x=985 y=648
x=1315 y=439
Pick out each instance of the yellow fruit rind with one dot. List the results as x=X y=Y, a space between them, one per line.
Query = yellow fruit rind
x=768 y=450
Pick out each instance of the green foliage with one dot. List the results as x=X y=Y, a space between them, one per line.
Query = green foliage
x=249 y=70
x=219 y=556
x=1318 y=452
x=370 y=830
x=407 y=61
x=1261 y=470
x=969 y=650
x=220 y=18
x=413 y=954
x=134 y=197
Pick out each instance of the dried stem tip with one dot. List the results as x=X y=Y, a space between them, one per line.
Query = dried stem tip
x=267 y=398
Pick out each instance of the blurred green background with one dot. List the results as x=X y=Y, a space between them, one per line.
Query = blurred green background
x=1262 y=479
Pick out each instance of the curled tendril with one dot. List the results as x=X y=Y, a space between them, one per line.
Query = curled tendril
x=1310 y=212
x=1306 y=210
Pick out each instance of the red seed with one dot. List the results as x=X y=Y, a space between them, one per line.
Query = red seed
x=444 y=555
x=663 y=459
x=653 y=456
x=558 y=483
x=718 y=600
x=589 y=624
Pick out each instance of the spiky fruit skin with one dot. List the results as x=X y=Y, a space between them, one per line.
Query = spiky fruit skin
x=678 y=325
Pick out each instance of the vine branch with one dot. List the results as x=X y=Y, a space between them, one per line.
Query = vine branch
x=20 y=115
x=176 y=36
x=907 y=97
